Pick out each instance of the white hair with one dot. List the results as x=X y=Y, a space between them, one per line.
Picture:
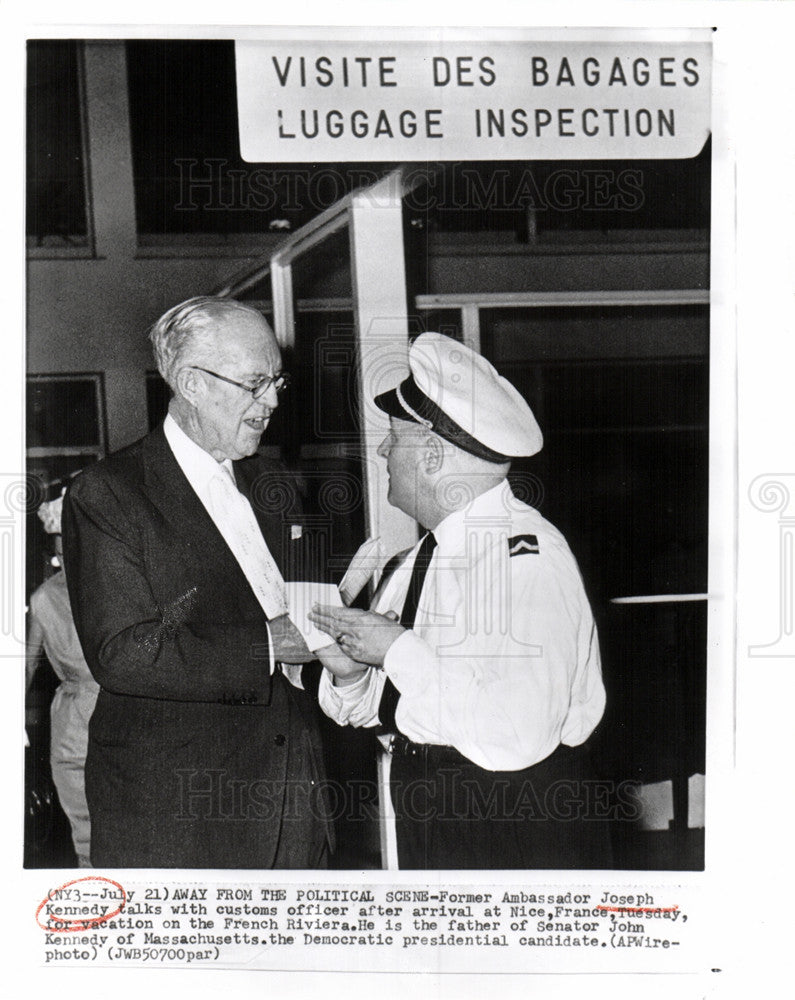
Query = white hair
x=187 y=329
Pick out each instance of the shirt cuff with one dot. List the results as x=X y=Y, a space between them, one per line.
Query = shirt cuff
x=271 y=660
x=293 y=671
x=354 y=705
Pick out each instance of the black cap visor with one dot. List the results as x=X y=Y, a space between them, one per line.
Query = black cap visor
x=419 y=408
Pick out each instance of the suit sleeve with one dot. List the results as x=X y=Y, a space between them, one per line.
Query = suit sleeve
x=132 y=646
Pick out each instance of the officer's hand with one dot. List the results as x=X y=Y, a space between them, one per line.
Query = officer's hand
x=363 y=635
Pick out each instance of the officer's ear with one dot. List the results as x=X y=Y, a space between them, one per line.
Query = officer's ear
x=433 y=454
x=191 y=385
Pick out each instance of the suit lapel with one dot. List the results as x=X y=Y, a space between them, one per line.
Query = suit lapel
x=169 y=490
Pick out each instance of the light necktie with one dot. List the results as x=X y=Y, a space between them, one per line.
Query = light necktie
x=390 y=695
x=233 y=514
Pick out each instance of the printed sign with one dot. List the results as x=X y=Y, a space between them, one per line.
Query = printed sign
x=360 y=100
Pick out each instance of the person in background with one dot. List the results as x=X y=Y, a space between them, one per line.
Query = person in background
x=51 y=628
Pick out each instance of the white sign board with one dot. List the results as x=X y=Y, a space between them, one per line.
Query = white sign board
x=312 y=101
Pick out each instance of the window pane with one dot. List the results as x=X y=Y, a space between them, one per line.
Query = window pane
x=536 y=202
x=56 y=196
x=63 y=412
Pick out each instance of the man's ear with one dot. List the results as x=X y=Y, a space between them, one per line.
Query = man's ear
x=191 y=385
x=433 y=454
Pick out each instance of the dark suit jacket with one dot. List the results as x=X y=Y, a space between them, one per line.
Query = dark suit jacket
x=194 y=748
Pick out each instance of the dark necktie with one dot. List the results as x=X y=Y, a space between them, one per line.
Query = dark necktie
x=418 y=573
x=390 y=694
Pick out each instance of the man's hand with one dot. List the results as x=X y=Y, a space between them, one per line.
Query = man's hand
x=344 y=670
x=364 y=636
x=288 y=643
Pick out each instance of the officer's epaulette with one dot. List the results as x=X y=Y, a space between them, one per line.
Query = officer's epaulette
x=520 y=545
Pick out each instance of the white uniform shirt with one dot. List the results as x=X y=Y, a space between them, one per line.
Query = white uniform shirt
x=503 y=660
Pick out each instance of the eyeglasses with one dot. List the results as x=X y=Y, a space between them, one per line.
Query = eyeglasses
x=279 y=382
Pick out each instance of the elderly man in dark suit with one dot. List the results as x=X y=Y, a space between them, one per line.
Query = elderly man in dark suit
x=204 y=749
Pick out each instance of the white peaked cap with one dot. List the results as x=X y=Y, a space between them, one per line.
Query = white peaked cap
x=457 y=393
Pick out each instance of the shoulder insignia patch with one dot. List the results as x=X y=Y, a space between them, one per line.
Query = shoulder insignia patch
x=520 y=545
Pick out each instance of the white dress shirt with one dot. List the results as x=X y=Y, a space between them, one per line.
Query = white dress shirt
x=201 y=469
x=503 y=660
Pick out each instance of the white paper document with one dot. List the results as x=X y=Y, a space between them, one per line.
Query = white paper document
x=301 y=595
x=366 y=560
